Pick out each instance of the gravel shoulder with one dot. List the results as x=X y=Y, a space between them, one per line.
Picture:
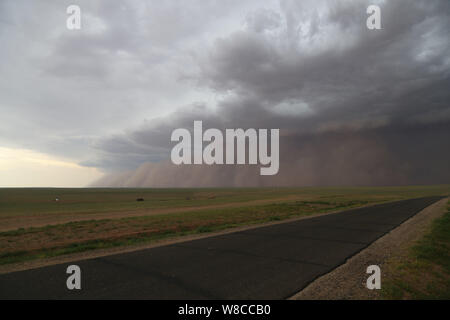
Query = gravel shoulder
x=348 y=281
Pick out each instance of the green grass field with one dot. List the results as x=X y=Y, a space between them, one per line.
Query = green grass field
x=39 y=201
x=35 y=226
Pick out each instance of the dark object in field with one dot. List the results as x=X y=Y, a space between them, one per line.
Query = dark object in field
x=140 y=199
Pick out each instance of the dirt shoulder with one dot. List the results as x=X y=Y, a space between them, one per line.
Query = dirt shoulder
x=348 y=281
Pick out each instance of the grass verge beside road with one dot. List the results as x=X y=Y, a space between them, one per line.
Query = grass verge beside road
x=424 y=272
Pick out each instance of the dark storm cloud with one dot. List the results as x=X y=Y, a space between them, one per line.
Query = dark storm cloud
x=353 y=106
x=63 y=91
x=359 y=73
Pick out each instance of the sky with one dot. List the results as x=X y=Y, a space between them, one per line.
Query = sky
x=97 y=106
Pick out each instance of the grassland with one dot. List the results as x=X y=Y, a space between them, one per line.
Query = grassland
x=424 y=273
x=36 y=226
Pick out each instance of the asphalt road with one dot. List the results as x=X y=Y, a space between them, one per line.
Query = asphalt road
x=271 y=262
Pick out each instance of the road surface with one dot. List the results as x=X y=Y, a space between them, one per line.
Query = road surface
x=271 y=262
